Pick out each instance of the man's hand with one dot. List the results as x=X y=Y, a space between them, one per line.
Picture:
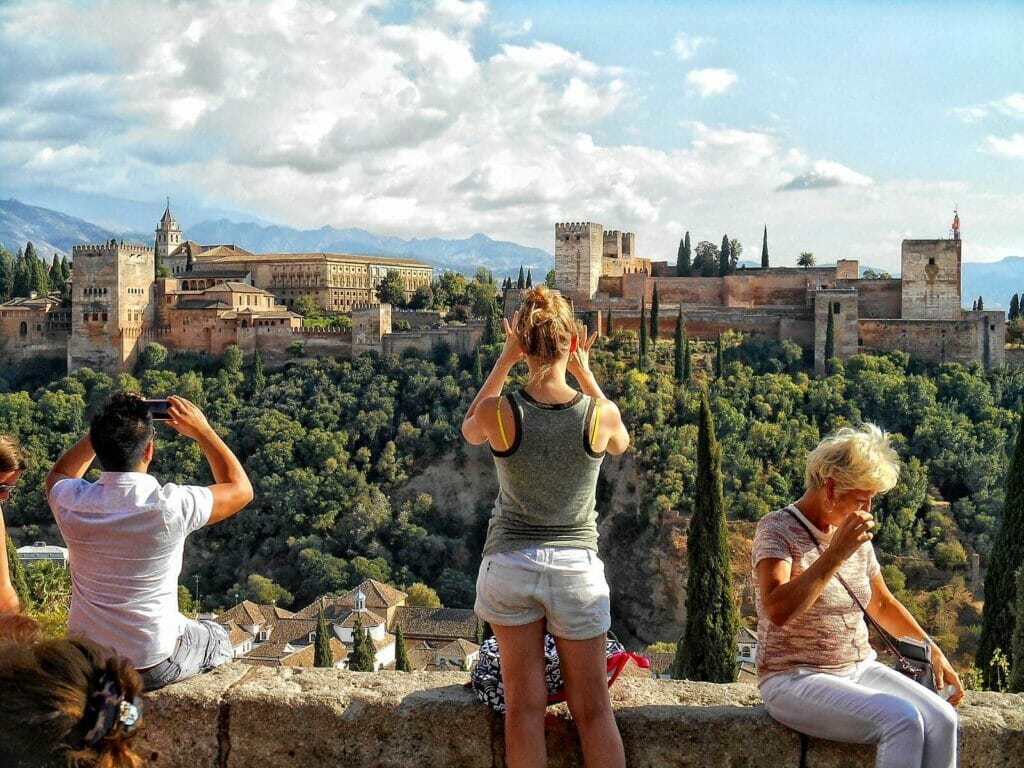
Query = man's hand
x=186 y=418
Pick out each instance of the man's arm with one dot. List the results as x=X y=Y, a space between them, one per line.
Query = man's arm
x=231 y=489
x=73 y=464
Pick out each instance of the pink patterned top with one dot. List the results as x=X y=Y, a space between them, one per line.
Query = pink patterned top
x=830 y=636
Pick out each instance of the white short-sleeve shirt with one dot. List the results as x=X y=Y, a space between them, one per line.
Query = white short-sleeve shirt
x=125 y=535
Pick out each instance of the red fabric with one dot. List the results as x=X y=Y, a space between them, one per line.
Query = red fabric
x=616 y=663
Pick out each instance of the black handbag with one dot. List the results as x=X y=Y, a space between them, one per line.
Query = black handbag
x=913 y=657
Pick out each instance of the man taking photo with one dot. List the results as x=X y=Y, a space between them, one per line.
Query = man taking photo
x=126 y=534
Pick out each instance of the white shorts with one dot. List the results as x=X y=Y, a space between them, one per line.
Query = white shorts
x=564 y=585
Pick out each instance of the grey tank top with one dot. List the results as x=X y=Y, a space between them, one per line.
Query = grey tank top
x=547 y=479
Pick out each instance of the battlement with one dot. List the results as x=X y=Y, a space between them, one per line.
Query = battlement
x=111 y=248
x=574 y=227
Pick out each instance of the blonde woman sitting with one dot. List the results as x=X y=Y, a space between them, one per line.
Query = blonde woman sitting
x=816 y=670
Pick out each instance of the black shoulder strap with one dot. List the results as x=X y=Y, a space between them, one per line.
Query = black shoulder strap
x=881 y=632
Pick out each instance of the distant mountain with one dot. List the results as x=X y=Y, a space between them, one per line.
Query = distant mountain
x=465 y=255
x=49 y=231
x=994 y=281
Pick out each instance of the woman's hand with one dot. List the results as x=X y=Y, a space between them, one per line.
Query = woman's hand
x=854 y=531
x=579 y=360
x=945 y=675
x=512 y=352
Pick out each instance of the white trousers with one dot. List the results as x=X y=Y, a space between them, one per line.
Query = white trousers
x=913 y=727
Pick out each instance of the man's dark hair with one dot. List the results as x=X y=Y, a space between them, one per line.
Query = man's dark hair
x=120 y=431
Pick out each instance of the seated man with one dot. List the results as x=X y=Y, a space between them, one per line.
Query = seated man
x=126 y=536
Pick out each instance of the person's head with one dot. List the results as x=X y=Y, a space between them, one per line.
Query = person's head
x=12 y=464
x=546 y=328
x=121 y=433
x=851 y=466
x=67 y=702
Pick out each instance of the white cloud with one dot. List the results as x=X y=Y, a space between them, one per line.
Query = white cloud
x=510 y=29
x=826 y=174
x=710 y=82
x=686 y=47
x=468 y=13
x=1012 y=147
x=1008 y=106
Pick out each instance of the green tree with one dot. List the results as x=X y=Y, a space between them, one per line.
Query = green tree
x=22 y=283
x=643 y=333
x=805 y=260
x=529 y=279
x=549 y=279
x=422 y=298
x=478 y=370
x=683 y=268
x=1007 y=557
x=1017 y=643
x=735 y=252
x=1014 y=308
x=6 y=275
x=681 y=348
x=17 y=573
x=708 y=645
x=764 y=249
x=450 y=289
x=232 y=358
x=401 y=654
x=420 y=594
x=358 y=658
x=323 y=655
x=981 y=303
x=307 y=307
x=725 y=257
x=263 y=591
x=706 y=259
x=830 y=335
x=719 y=356
x=259 y=378
x=608 y=330
x=186 y=602
x=655 y=308
x=391 y=289
x=521 y=282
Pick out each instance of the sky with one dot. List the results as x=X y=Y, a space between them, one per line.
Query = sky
x=842 y=127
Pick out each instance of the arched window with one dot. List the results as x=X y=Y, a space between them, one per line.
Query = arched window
x=23 y=329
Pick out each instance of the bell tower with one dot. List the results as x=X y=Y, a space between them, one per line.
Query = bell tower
x=168 y=234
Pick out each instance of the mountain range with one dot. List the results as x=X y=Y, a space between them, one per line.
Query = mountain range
x=54 y=232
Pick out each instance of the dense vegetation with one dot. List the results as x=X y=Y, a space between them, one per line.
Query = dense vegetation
x=329 y=445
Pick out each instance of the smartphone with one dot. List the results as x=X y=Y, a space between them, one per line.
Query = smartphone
x=158 y=409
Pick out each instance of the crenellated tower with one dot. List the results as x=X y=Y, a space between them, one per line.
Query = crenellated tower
x=578 y=250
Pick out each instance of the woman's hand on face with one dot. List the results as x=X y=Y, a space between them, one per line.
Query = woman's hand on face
x=579 y=360
x=945 y=675
x=854 y=531
x=512 y=352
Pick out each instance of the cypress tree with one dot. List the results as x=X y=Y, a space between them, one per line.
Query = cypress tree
x=259 y=378
x=680 y=347
x=719 y=357
x=981 y=303
x=6 y=274
x=65 y=268
x=323 y=656
x=687 y=256
x=707 y=649
x=479 y=635
x=683 y=267
x=655 y=307
x=22 y=276
x=1017 y=643
x=725 y=257
x=521 y=282
x=608 y=325
x=529 y=278
x=370 y=651
x=478 y=370
x=643 y=333
x=687 y=359
x=401 y=655
x=17 y=572
x=997 y=623
x=357 y=658
x=764 y=249
x=974 y=305
x=1014 y=307
x=830 y=334
x=54 y=274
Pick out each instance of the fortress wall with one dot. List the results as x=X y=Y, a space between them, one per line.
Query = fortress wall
x=940 y=341
x=708 y=323
x=876 y=298
x=241 y=716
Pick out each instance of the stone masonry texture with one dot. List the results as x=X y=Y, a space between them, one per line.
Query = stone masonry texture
x=241 y=716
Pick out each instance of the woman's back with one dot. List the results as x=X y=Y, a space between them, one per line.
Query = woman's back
x=547 y=477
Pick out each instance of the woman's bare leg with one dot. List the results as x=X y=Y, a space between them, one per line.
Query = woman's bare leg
x=526 y=696
x=585 y=670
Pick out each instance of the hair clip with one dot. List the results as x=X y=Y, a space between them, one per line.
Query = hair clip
x=128 y=715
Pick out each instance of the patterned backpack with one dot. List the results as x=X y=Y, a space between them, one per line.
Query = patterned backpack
x=485 y=679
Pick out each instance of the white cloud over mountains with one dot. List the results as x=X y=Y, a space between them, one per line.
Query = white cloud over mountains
x=313 y=112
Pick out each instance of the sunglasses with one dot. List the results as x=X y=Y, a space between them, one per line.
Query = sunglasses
x=8 y=489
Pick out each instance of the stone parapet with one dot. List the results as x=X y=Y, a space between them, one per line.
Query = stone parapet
x=241 y=716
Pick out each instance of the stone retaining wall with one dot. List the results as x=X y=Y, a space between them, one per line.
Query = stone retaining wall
x=243 y=717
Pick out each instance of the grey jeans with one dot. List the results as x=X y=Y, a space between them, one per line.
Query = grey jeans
x=202 y=646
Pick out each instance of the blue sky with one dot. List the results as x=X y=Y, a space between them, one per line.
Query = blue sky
x=844 y=127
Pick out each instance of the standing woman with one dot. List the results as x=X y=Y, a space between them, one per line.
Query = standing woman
x=816 y=670
x=540 y=569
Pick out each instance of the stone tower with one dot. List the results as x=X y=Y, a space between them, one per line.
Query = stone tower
x=931 y=279
x=168 y=234
x=578 y=250
x=113 y=288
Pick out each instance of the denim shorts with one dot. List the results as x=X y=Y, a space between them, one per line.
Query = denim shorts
x=202 y=646
x=565 y=586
